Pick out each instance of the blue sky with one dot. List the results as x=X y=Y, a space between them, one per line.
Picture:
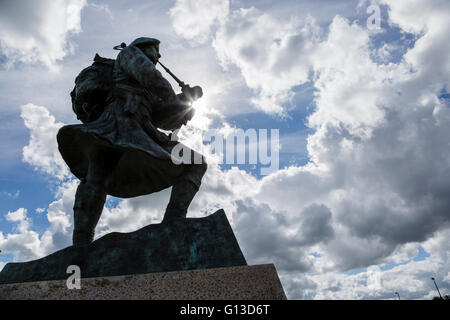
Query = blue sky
x=362 y=114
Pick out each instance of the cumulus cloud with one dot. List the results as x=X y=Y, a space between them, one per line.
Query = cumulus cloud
x=429 y=21
x=268 y=235
x=273 y=56
x=39 y=30
x=42 y=154
x=194 y=19
x=411 y=277
x=60 y=218
x=42 y=151
x=23 y=242
x=378 y=158
x=374 y=134
x=342 y=64
x=132 y=214
x=20 y=215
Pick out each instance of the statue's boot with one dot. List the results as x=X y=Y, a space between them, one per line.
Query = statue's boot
x=88 y=206
x=181 y=197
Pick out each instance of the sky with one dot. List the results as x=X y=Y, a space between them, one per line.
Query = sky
x=359 y=204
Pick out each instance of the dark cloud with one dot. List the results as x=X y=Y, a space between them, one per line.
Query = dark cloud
x=315 y=225
x=264 y=240
x=267 y=236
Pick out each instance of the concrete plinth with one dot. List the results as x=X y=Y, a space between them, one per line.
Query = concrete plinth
x=259 y=282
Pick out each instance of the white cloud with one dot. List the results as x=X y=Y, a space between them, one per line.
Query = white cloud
x=412 y=280
x=58 y=234
x=20 y=215
x=430 y=20
x=273 y=56
x=28 y=244
x=42 y=151
x=194 y=19
x=38 y=30
x=24 y=243
x=43 y=155
x=341 y=64
x=132 y=214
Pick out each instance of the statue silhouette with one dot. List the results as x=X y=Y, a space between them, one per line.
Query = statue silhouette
x=118 y=150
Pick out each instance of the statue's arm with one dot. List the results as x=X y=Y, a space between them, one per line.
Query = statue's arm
x=138 y=66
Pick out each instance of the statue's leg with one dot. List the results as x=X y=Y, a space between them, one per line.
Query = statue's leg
x=184 y=190
x=88 y=206
x=91 y=195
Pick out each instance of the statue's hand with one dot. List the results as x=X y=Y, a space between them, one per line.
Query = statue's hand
x=194 y=93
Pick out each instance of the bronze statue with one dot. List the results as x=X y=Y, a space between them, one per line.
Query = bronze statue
x=118 y=150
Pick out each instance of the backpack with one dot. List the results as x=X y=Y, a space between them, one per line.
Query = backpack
x=93 y=89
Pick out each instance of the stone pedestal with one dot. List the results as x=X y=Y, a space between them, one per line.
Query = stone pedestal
x=258 y=282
